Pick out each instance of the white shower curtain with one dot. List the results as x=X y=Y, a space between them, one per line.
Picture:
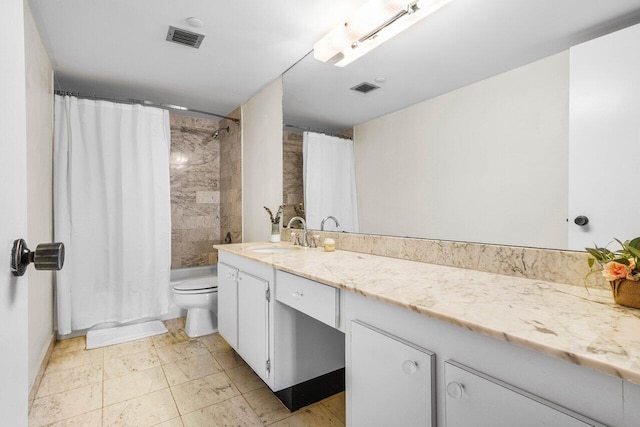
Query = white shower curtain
x=112 y=211
x=329 y=181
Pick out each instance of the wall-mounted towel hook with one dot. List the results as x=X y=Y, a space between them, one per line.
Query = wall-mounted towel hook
x=47 y=256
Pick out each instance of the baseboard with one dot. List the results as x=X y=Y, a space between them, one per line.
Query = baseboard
x=312 y=391
x=45 y=361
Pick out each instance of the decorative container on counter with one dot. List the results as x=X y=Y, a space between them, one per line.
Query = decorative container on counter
x=275 y=223
x=626 y=292
x=621 y=268
x=275 y=233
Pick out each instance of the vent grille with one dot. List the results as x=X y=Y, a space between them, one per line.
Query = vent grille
x=365 y=87
x=184 y=37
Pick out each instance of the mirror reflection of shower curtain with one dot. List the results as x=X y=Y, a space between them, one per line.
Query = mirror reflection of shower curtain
x=112 y=211
x=329 y=181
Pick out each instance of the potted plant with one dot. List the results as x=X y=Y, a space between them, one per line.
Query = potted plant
x=620 y=269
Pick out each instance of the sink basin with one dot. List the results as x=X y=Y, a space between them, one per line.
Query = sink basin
x=273 y=250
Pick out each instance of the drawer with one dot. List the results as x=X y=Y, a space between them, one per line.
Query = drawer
x=311 y=298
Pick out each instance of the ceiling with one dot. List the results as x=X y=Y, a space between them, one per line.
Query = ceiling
x=117 y=48
x=465 y=42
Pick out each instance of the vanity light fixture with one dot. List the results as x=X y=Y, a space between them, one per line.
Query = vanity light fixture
x=372 y=24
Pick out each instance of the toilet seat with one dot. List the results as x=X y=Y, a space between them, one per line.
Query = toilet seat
x=196 y=291
x=196 y=286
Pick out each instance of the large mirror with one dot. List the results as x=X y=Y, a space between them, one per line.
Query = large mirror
x=467 y=133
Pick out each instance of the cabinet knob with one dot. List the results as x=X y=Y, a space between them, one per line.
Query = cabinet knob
x=297 y=295
x=455 y=390
x=409 y=367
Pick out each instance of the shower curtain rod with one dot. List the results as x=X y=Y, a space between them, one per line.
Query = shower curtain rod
x=145 y=103
x=337 y=135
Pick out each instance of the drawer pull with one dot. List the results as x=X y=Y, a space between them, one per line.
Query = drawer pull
x=455 y=390
x=409 y=367
x=297 y=295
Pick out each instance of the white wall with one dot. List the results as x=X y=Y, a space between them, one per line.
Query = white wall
x=39 y=92
x=261 y=160
x=484 y=163
x=605 y=107
x=13 y=209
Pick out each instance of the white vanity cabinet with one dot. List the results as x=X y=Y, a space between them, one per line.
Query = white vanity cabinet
x=392 y=381
x=475 y=399
x=253 y=322
x=244 y=310
x=289 y=341
x=228 y=309
x=401 y=367
x=578 y=394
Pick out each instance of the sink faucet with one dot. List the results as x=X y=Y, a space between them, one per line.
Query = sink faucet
x=305 y=243
x=325 y=219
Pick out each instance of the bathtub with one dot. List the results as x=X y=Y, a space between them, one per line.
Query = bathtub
x=195 y=274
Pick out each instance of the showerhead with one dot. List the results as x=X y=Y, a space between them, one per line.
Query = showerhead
x=216 y=134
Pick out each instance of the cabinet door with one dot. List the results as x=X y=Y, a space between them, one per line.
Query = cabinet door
x=253 y=322
x=392 y=381
x=228 y=303
x=475 y=399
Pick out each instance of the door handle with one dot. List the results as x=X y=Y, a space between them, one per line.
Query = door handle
x=581 y=220
x=47 y=256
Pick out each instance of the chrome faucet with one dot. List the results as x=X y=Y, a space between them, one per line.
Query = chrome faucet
x=325 y=219
x=305 y=243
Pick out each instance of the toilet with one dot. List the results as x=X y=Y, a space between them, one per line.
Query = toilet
x=200 y=298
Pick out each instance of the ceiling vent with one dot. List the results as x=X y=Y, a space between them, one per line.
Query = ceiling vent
x=184 y=37
x=365 y=87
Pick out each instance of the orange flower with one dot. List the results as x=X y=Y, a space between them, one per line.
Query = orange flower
x=616 y=271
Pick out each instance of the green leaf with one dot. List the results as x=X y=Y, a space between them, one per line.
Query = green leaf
x=635 y=243
x=635 y=252
x=591 y=261
x=596 y=254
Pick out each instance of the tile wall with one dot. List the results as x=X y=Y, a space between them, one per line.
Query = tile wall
x=195 y=191
x=231 y=180
x=292 y=192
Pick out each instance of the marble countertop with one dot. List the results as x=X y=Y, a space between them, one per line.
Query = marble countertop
x=569 y=322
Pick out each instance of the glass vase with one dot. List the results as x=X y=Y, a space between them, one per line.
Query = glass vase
x=275 y=232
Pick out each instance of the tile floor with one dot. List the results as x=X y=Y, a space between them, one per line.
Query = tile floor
x=167 y=380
